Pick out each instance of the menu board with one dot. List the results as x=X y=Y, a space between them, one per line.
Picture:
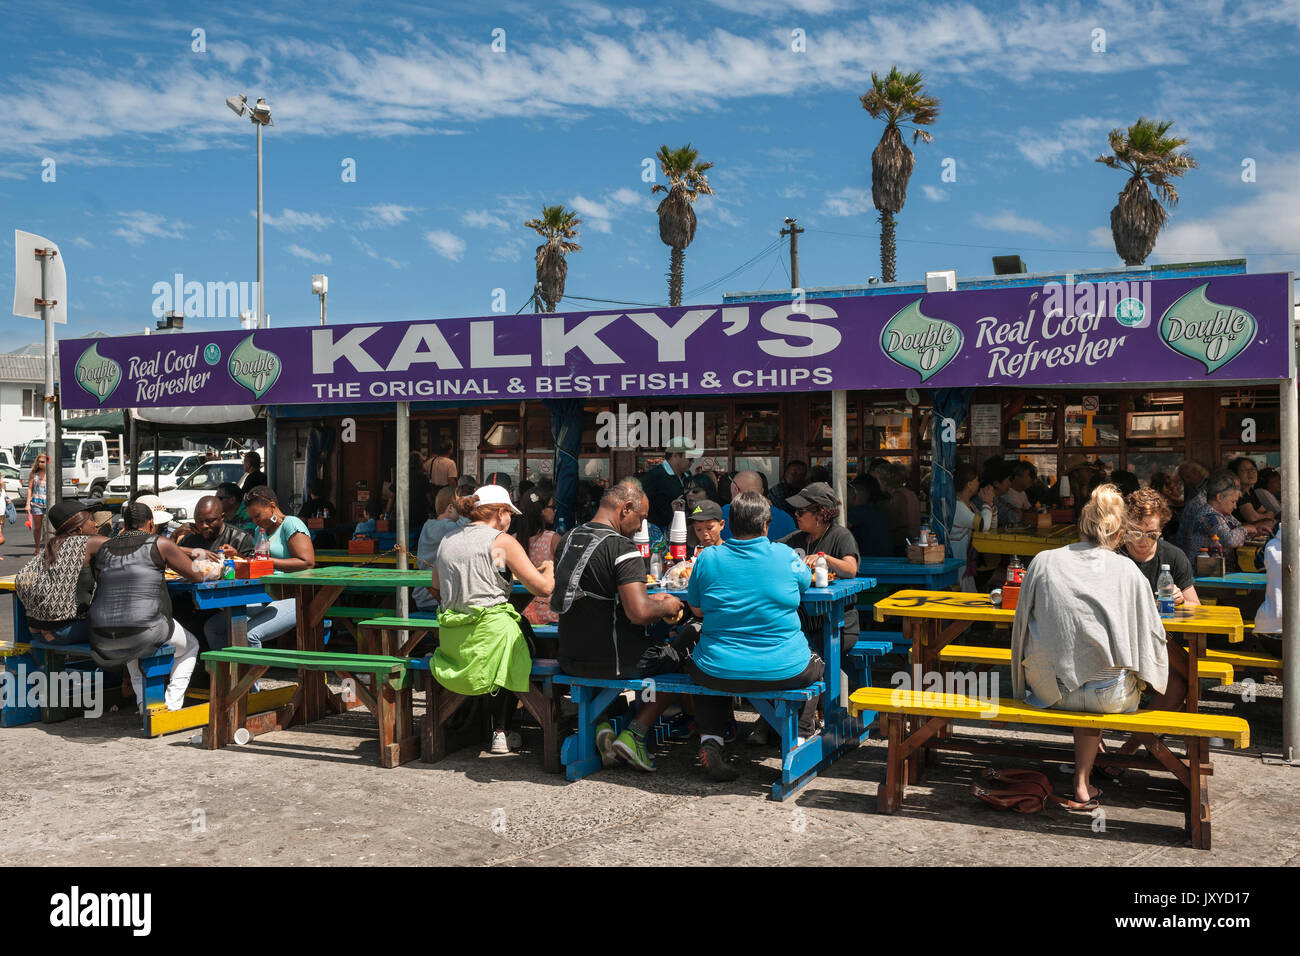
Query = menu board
x=985 y=424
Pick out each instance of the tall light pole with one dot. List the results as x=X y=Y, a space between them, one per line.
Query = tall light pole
x=260 y=114
x=320 y=285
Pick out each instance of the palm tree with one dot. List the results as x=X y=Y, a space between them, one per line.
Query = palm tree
x=898 y=98
x=686 y=182
x=557 y=226
x=1146 y=152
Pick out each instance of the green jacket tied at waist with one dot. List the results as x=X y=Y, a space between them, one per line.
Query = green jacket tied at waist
x=481 y=649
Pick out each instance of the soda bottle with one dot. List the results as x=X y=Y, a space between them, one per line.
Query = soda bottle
x=1216 y=549
x=1166 y=592
x=228 y=569
x=1015 y=570
x=261 y=546
x=820 y=573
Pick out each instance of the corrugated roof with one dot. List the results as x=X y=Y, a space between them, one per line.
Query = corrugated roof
x=27 y=369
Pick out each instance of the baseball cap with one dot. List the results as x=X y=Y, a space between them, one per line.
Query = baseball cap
x=160 y=514
x=683 y=445
x=705 y=511
x=496 y=495
x=818 y=493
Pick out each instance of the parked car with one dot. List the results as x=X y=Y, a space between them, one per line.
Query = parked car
x=89 y=462
x=173 y=468
x=7 y=458
x=14 y=486
x=204 y=481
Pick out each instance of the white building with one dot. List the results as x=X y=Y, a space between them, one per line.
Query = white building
x=22 y=398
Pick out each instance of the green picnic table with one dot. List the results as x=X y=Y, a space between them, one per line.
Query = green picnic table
x=316 y=591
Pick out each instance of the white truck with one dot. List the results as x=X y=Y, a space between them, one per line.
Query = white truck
x=89 y=460
x=173 y=468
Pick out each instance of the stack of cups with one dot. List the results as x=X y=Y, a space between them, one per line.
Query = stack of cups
x=677 y=536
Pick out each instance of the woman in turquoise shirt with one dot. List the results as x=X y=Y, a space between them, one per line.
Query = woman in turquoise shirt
x=747 y=592
x=291 y=550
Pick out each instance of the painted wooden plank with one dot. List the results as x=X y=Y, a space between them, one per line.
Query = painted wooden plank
x=196 y=715
x=893 y=700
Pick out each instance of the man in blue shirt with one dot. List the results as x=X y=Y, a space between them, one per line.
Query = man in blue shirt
x=747 y=592
x=781 y=524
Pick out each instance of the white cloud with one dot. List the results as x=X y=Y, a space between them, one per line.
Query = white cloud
x=290 y=220
x=511 y=251
x=934 y=193
x=482 y=219
x=1100 y=237
x=1008 y=221
x=307 y=255
x=386 y=214
x=139 y=225
x=1073 y=141
x=849 y=201
x=374 y=253
x=83 y=242
x=444 y=243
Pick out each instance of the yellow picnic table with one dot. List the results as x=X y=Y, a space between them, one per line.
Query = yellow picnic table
x=1024 y=541
x=332 y=556
x=924 y=613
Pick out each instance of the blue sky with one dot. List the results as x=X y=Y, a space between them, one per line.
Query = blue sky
x=456 y=144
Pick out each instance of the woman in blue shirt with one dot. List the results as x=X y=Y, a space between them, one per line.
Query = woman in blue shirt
x=291 y=550
x=747 y=592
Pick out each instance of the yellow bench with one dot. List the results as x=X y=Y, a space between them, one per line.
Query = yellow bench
x=1242 y=659
x=1218 y=669
x=931 y=715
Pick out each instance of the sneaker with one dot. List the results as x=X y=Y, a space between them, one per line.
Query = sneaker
x=605 y=744
x=632 y=749
x=715 y=763
x=513 y=740
x=499 y=744
x=757 y=734
x=732 y=731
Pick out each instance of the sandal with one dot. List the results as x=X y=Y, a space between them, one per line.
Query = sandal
x=1074 y=806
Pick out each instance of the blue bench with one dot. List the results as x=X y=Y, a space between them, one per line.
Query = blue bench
x=440 y=704
x=780 y=708
x=54 y=658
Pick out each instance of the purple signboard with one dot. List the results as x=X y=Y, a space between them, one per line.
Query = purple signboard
x=1232 y=328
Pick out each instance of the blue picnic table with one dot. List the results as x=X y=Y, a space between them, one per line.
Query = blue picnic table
x=900 y=571
x=1237 y=581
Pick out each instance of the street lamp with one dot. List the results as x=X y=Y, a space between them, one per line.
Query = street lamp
x=260 y=115
x=319 y=286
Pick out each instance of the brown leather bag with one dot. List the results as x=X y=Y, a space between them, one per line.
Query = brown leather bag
x=1024 y=791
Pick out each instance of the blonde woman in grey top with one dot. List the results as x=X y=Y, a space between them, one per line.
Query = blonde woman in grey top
x=1086 y=629
x=481 y=648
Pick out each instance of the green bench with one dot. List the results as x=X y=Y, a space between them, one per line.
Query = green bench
x=389 y=700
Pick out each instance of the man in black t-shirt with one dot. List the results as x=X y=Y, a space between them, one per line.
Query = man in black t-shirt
x=212 y=532
x=602 y=633
x=1148 y=549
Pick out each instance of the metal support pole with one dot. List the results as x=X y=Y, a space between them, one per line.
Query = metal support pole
x=54 y=480
x=402 y=494
x=157 y=453
x=840 y=450
x=322 y=308
x=54 y=472
x=261 y=312
x=268 y=459
x=134 y=451
x=1290 y=578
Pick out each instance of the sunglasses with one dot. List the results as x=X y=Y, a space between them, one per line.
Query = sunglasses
x=1149 y=535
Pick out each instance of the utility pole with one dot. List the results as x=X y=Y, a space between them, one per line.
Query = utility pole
x=793 y=232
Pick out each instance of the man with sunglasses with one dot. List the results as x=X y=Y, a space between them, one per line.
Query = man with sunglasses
x=1148 y=514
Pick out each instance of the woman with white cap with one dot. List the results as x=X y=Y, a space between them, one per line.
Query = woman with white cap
x=131 y=614
x=481 y=648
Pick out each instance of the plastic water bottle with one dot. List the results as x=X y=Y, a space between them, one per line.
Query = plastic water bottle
x=1166 y=592
x=657 y=566
x=820 y=572
x=261 y=546
x=925 y=535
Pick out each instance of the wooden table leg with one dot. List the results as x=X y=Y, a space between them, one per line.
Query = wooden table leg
x=1195 y=653
x=311 y=604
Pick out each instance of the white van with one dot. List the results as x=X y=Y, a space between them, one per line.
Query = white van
x=173 y=468
x=89 y=460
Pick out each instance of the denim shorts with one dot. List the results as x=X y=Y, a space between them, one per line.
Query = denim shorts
x=1114 y=695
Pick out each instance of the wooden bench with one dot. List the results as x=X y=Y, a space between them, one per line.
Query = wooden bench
x=541 y=699
x=799 y=760
x=390 y=630
x=154 y=669
x=910 y=751
x=1243 y=659
x=1211 y=669
x=390 y=703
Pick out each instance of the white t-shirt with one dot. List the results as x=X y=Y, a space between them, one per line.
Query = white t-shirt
x=1268 y=619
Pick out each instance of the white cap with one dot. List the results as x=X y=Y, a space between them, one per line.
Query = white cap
x=495 y=495
x=160 y=514
x=683 y=445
